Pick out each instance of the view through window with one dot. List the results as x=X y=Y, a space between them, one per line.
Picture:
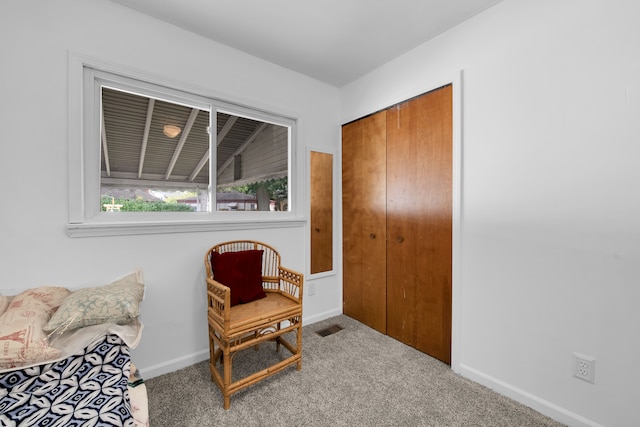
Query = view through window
x=156 y=156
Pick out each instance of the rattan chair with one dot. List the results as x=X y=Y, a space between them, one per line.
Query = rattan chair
x=242 y=326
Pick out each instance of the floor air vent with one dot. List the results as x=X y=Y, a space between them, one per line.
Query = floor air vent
x=329 y=330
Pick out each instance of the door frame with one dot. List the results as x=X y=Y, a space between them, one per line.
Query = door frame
x=456 y=238
x=455 y=79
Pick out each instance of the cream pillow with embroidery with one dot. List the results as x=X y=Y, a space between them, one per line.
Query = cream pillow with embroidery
x=117 y=302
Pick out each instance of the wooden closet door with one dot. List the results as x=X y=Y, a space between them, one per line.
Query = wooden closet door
x=364 y=220
x=419 y=209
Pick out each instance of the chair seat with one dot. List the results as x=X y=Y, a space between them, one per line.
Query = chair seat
x=273 y=308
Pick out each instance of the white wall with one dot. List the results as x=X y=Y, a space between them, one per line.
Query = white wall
x=551 y=212
x=35 y=38
x=550 y=207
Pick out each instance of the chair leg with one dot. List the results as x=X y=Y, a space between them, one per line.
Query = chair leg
x=211 y=368
x=226 y=366
x=299 y=345
x=212 y=356
x=278 y=338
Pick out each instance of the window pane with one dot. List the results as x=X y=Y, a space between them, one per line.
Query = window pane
x=155 y=154
x=252 y=165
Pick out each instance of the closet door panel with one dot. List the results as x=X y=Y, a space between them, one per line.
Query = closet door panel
x=419 y=209
x=364 y=220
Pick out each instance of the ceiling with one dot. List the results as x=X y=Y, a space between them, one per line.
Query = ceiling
x=334 y=41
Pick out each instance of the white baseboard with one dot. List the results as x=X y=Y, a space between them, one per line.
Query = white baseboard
x=319 y=317
x=174 y=364
x=544 y=407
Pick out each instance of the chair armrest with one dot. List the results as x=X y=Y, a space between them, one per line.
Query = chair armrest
x=291 y=283
x=218 y=302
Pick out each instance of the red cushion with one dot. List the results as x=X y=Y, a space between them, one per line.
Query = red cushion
x=242 y=272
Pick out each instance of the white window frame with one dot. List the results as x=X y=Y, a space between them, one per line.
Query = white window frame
x=85 y=218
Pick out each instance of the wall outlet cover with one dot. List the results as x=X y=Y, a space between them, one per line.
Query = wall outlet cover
x=584 y=367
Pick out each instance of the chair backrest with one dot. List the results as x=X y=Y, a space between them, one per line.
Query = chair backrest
x=270 y=259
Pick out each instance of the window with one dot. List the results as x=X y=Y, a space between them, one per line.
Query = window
x=149 y=156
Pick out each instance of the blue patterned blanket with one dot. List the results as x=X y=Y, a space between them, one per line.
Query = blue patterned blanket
x=86 y=389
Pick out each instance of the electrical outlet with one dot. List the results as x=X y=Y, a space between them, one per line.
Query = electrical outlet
x=584 y=367
x=312 y=288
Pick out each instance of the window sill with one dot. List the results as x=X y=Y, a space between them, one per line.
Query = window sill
x=120 y=228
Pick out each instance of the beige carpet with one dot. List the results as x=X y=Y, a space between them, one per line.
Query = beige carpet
x=354 y=377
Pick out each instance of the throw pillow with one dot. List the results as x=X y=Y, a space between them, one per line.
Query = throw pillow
x=117 y=302
x=24 y=344
x=242 y=272
x=46 y=298
x=22 y=341
x=4 y=302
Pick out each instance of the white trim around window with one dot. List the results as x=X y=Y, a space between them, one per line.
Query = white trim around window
x=84 y=160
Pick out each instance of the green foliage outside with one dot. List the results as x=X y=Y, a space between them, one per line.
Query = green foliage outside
x=278 y=189
x=140 y=205
x=182 y=195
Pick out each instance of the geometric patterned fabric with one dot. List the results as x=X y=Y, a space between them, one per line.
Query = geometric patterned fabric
x=86 y=389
